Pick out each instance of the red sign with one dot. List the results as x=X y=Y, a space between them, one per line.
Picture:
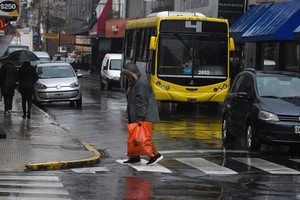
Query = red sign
x=2 y=23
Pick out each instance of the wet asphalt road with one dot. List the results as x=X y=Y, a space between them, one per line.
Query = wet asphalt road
x=195 y=164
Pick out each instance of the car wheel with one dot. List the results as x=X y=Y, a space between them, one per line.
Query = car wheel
x=72 y=103
x=226 y=136
x=79 y=102
x=102 y=85
x=37 y=103
x=109 y=87
x=251 y=143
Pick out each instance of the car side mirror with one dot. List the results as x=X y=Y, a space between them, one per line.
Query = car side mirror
x=104 y=67
x=243 y=95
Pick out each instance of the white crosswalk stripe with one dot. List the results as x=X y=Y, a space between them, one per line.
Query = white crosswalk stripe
x=142 y=166
x=211 y=168
x=296 y=160
x=206 y=166
x=267 y=166
x=32 y=187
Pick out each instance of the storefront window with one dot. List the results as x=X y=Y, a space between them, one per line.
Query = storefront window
x=270 y=55
x=292 y=56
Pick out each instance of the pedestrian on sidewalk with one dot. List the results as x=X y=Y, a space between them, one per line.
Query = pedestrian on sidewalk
x=141 y=104
x=8 y=78
x=27 y=78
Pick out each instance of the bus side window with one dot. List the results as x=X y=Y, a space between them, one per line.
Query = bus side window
x=146 y=44
x=128 y=43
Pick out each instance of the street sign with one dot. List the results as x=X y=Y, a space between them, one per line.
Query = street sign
x=9 y=8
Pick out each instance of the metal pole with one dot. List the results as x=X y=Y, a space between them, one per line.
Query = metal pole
x=47 y=26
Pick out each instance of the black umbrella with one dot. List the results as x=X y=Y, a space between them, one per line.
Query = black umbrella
x=22 y=56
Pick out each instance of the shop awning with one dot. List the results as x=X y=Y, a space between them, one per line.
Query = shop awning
x=244 y=22
x=277 y=22
x=297 y=32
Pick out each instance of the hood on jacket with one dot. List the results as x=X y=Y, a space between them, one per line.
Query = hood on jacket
x=132 y=71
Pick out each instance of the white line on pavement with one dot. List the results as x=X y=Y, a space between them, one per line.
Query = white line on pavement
x=206 y=166
x=270 y=167
x=142 y=166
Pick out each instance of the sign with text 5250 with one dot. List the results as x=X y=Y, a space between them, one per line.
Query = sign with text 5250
x=9 y=8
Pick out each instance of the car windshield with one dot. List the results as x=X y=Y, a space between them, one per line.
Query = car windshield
x=278 y=86
x=54 y=71
x=115 y=64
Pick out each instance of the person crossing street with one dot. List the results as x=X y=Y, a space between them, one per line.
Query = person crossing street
x=141 y=104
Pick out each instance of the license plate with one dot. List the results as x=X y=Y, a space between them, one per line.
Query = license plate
x=297 y=129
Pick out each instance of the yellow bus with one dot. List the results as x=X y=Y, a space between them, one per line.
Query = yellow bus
x=186 y=56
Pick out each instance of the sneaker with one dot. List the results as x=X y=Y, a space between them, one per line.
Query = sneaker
x=6 y=112
x=9 y=111
x=155 y=159
x=133 y=160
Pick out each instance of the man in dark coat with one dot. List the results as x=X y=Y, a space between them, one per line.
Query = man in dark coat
x=8 y=77
x=141 y=104
x=27 y=78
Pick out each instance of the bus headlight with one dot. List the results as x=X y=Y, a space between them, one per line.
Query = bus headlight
x=163 y=86
x=221 y=87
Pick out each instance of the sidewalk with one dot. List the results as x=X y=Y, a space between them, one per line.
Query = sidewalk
x=39 y=143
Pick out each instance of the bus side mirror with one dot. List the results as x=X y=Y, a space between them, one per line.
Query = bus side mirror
x=152 y=45
x=231 y=44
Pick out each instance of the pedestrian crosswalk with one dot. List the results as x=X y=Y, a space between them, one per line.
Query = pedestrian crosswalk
x=209 y=167
x=32 y=187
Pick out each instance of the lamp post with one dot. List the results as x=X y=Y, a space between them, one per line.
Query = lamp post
x=47 y=26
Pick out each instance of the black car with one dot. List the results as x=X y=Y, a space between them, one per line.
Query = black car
x=263 y=107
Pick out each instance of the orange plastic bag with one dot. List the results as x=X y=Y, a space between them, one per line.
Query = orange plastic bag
x=140 y=139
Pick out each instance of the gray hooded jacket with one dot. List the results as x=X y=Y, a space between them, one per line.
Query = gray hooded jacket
x=141 y=98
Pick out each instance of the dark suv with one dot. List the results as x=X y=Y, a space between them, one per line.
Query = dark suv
x=263 y=106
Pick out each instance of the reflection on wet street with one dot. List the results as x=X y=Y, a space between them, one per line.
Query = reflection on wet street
x=197 y=123
x=196 y=165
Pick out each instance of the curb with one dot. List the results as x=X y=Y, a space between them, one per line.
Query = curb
x=67 y=164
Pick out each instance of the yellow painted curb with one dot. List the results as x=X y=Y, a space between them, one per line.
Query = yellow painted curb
x=67 y=164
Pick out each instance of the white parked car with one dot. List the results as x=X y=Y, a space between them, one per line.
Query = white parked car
x=57 y=82
x=111 y=70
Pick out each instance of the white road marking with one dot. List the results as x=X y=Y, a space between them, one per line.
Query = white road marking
x=33 y=187
x=90 y=170
x=34 y=191
x=142 y=166
x=296 y=160
x=205 y=166
x=270 y=167
x=33 y=178
x=33 y=198
x=30 y=184
x=203 y=151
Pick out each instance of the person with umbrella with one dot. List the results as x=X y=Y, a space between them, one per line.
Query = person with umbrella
x=8 y=77
x=27 y=78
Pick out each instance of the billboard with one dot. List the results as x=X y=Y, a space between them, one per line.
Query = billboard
x=9 y=8
x=227 y=9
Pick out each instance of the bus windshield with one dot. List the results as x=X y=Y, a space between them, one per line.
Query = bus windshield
x=196 y=56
